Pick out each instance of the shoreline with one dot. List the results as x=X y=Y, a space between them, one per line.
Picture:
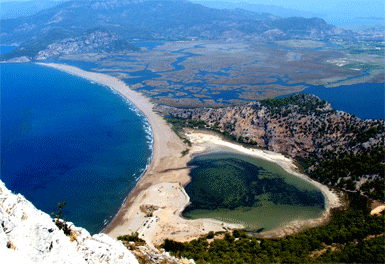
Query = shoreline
x=331 y=198
x=160 y=194
x=161 y=186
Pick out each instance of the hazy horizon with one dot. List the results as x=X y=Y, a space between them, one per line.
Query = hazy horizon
x=336 y=12
x=310 y=6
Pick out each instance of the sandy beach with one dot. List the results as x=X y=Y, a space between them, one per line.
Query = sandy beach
x=161 y=185
x=160 y=193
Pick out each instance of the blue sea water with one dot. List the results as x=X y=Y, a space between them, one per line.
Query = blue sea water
x=6 y=49
x=364 y=100
x=66 y=139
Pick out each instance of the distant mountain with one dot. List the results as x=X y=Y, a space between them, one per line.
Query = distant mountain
x=371 y=33
x=271 y=9
x=158 y=20
x=91 y=41
x=20 y=9
x=131 y=19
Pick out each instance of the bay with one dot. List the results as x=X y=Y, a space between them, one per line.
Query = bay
x=366 y=100
x=65 y=139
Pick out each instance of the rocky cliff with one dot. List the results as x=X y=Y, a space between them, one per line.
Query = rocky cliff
x=336 y=148
x=302 y=125
x=94 y=41
x=27 y=235
x=56 y=42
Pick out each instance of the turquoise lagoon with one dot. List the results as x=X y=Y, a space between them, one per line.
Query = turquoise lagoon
x=259 y=194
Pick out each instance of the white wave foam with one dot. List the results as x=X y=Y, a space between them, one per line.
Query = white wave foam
x=149 y=141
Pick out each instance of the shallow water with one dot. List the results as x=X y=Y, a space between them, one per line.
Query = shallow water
x=241 y=189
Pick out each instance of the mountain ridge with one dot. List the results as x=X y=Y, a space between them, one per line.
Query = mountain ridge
x=14 y=9
x=162 y=20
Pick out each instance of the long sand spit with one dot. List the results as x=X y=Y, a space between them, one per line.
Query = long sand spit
x=162 y=184
x=161 y=188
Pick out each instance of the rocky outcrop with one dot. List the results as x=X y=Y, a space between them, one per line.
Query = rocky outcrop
x=335 y=148
x=300 y=126
x=27 y=235
x=19 y=59
x=149 y=254
x=95 y=41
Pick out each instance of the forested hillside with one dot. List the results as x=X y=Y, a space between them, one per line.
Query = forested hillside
x=352 y=236
x=334 y=147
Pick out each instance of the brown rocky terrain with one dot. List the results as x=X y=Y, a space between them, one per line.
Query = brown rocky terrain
x=306 y=128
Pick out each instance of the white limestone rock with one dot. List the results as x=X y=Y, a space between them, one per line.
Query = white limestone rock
x=19 y=59
x=28 y=235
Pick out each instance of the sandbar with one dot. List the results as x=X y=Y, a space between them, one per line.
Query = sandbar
x=161 y=189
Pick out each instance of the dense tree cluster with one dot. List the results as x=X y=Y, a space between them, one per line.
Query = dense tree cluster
x=133 y=237
x=346 y=171
x=299 y=103
x=352 y=236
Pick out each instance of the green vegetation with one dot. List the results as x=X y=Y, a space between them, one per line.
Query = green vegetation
x=346 y=169
x=210 y=235
x=60 y=222
x=134 y=237
x=303 y=104
x=185 y=152
x=178 y=124
x=351 y=236
x=349 y=155
x=363 y=135
x=356 y=162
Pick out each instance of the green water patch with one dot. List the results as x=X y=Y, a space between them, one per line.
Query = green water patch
x=256 y=193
